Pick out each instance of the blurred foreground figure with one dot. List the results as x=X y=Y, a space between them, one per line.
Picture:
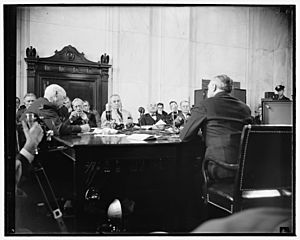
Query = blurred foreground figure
x=24 y=205
x=255 y=220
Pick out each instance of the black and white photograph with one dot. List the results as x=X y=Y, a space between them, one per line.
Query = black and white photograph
x=153 y=119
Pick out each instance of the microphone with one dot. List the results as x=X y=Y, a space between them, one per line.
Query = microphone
x=108 y=112
x=141 y=110
x=174 y=115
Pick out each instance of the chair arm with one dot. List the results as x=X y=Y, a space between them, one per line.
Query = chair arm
x=229 y=166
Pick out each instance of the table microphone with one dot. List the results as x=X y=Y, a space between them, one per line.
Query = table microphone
x=108 y=112
x=141 y=111
x=174 y=115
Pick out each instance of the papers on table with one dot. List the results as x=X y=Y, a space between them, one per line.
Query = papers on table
x=141 y=137
x=105 y=131
x=160 y=122
x=146 y=127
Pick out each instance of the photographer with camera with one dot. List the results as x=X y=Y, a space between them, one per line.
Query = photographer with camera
x=46 y=108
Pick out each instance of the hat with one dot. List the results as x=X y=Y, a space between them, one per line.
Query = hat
x=279 y=88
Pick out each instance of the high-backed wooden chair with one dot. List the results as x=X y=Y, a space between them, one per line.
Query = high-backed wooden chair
x=264 y=171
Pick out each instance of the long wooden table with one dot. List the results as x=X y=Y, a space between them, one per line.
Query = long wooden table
x=136 y=169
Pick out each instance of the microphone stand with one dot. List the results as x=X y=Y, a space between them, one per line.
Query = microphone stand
x=141 y=114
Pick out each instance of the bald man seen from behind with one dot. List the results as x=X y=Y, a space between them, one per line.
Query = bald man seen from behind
x=47 y=108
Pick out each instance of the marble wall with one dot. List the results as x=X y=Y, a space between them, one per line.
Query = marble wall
x=162 y=53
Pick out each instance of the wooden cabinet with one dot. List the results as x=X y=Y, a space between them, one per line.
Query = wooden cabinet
x=70 y=69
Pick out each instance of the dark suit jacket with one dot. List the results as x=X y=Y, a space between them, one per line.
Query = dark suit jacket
x=91 y=121
x=169 y=118
x=148 y=120
x=63 y=113
x=183 y=119
x=221 y=119
x=43 y=108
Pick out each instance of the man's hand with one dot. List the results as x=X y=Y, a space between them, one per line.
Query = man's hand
x=33 y=136
x=85 y=128
x=73 y=116
x=178 y=120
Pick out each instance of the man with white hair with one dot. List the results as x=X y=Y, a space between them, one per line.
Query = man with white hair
x=118 y=114
x=47 y=108
x=79 y=117
x=221 y=118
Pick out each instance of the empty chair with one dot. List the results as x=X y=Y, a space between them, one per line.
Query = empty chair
x=264 y=171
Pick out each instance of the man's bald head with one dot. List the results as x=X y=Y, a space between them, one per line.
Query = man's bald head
x=55 y=94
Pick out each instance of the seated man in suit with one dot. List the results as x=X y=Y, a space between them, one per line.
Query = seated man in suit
x=221 y=118
x=160 y=110
x=65 y=110
x=47 y=108
x=80 y=117
x=118 y=114
x=29 y=98
x=174 y=112
x=68 y=105
x=87 y=109
x=184 y=114
x=152 y=117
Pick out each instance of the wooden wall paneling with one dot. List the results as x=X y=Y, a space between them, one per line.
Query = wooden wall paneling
x=79 y=76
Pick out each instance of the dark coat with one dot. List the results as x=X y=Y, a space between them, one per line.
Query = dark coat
x=182 y=119
x=148 y=120
x=43 y=108
x=283 y=98
x=63 y=113
x=169 y=118
x=221 y=119
x=91 y=120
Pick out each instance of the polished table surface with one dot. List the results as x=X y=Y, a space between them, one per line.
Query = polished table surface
x=122 y=137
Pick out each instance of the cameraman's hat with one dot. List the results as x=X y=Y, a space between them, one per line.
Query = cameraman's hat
x=279 y=88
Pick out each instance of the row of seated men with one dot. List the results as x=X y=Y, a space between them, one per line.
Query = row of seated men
x=79 y=112
x=220 y=118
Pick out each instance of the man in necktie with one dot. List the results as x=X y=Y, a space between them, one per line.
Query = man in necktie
x=152 y=116
x=184 y=114
x=174 y=112
x=118 y=114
